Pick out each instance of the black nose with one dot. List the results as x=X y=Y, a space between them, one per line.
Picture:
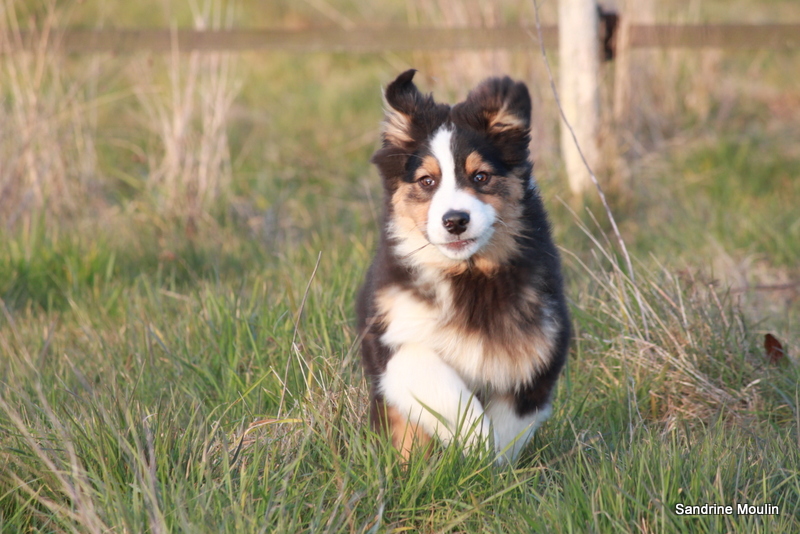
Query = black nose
x=456 y=221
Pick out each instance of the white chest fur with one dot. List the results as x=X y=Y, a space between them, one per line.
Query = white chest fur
x=501 y=367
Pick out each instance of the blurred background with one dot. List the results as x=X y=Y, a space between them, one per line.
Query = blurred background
x=151 y=150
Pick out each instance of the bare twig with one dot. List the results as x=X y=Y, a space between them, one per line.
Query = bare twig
x=767 y=287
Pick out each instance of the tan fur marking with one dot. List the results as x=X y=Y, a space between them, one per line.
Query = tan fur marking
x=406 y=436
x=384 y=301
x=396 y=127
x=410 y=217
x=503 y=120
x=475 y=164
x=429 y=167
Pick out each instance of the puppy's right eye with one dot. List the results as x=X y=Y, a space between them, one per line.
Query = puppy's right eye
x=426 y=181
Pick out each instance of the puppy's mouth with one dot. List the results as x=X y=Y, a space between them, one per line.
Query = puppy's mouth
x=458 y=246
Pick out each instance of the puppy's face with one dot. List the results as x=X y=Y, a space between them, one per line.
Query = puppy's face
x=455 y=177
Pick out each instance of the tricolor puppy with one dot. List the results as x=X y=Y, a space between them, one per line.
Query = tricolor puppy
x=464 y=323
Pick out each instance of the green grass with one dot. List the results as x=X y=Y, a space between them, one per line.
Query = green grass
x=131 y=422
x=128 y=383
x=159 y=374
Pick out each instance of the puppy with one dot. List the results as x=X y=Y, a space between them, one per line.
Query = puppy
x=464 y=322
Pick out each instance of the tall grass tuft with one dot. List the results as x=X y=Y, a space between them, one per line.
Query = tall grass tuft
x=190 y=169
x=682 y=353
x=47 y=140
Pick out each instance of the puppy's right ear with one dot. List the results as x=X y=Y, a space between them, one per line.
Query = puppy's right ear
x=403 y=101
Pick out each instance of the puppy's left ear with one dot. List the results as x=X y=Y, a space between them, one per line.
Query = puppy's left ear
x=402 y=100
x=497 y=106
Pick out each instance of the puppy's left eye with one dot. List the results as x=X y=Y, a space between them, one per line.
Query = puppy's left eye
x=481 y=177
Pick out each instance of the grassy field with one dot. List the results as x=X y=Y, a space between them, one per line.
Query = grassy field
x=178 y=356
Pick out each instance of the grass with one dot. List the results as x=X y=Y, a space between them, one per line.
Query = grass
x=133 y=421
x=164 y=373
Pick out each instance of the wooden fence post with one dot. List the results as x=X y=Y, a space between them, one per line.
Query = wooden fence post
x=579 y=70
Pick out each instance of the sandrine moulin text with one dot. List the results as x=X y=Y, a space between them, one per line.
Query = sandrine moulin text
x=727 y=509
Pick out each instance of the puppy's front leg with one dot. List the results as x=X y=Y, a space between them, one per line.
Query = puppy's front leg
x=513 y=430
x=430 y=394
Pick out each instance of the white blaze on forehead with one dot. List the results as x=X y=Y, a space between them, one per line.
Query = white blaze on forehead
x=442 y=149
x=449 y=196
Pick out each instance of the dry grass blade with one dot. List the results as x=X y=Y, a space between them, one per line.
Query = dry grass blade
x=254 y=425
x=294 y=347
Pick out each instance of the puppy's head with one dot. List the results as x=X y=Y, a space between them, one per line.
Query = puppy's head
x=455 y=177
